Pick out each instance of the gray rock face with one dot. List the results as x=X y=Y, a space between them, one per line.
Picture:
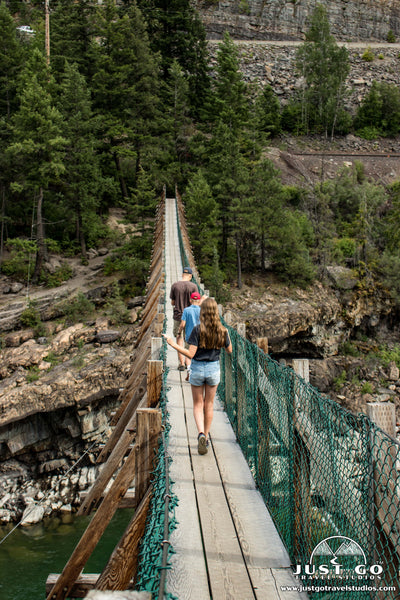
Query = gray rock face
x=310 y=323
x=279 y=19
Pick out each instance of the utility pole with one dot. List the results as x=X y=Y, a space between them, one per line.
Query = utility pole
x=47 y=29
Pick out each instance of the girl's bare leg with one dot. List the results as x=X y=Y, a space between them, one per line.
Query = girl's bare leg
x=198 y=406
x=209 y=395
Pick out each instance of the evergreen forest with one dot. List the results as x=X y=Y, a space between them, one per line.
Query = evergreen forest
x=126 y=101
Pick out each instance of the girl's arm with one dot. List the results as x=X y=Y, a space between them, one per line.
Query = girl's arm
x=189 y=353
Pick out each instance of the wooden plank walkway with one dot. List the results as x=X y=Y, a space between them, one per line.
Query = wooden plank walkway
x=226 y=545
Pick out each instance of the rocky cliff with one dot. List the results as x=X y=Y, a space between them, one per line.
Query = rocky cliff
x=279 y=20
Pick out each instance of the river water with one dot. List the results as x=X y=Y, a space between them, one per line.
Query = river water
x=30 y=554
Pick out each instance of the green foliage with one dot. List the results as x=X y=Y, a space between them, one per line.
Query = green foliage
x=368 y=133
x=324 y=66
x=368 y=55
x=367 y=388
x=388 y=355
x=339 y=382
x=268 y=112
x=131 y=261
x=59 y=276
x=344 y=248
x=349 y=349
x=22 y=256
x=30 y=317
x=380 y=109
x=202 y=208
x=76 y=308
x=52 y=358
x=244 y=7
x=115 y=307
x=391 y=38
x=33 y=374
x=214 y=279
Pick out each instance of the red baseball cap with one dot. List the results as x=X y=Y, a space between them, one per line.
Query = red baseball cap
x=195 y=296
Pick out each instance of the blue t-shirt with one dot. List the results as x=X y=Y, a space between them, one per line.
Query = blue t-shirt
x=205 y=354
x=191 y=316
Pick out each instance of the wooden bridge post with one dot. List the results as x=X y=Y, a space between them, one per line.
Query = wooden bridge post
x=156 y=345
x=383 y=495
x=148 y=428
x=301 y=471
x=154 y=382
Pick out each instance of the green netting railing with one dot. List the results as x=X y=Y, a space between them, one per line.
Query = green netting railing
x=159 y=523
x=155 y=548
x=329 y=478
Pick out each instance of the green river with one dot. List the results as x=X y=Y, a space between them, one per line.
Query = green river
x=30 y=554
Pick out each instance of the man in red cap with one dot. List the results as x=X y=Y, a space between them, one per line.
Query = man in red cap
x=180 y=299
x=190 y=318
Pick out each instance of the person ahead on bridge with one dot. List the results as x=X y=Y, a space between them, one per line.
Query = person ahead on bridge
x=205 y=343
x=180 y=299
x=190 y=318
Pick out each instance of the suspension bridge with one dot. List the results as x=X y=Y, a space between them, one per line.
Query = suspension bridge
x=286 y=471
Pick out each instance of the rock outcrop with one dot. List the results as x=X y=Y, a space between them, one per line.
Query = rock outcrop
x=312 y=323
x=279 y=19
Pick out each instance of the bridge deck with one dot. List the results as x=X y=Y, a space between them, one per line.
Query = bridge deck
x=226 y=545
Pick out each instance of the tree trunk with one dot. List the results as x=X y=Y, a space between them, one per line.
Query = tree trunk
x=239 y=264
x=3 y=214
x=41 y=254
x=263 y=252
x=79 y=233
x=122 y=183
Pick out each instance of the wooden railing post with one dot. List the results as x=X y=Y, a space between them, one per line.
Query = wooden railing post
x=148 y=429
x=154 y=382
x=156 y=345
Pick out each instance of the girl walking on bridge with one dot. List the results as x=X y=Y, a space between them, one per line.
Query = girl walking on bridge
x=205 y=343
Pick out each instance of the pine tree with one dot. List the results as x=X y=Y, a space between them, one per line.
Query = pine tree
x=324 y=66
x=125 y=87
x=83 y=188
x=37 y=148
x=230 y=92
x=72 y=30
x=11 y=60
x=201 y=208
x=177 y=33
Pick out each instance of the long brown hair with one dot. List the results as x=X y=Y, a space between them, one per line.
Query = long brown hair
x=212 y=332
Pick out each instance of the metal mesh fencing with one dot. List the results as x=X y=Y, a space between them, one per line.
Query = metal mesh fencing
x=329 y=478
x=155 y=548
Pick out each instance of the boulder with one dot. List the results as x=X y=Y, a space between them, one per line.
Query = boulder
x=394 y=372
x=32 y=514
x=107 y=336
x=342 y=278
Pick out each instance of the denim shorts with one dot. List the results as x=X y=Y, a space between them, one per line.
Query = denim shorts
x=202 y=371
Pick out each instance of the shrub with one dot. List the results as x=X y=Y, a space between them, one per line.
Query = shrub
x=30 y=317
x=367 y=388
x=339 y=382
x=21 y=262
x=368 y=55
x=33 y=374
x=368 y=133
x=391 y=38
x=115 y=307
x=77 y=307
x=58 y=277
x=348 y=349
